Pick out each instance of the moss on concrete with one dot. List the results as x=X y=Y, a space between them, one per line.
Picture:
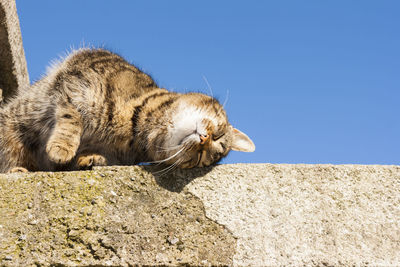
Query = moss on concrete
x=109 y=216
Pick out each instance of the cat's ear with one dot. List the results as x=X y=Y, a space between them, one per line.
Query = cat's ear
x=241 y=142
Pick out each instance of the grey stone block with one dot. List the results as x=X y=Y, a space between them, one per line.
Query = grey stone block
x=13 y=69
x=241 y=215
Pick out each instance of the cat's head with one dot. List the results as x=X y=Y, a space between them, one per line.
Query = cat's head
x=199 y=133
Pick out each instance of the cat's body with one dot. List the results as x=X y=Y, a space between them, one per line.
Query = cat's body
x=94 y=108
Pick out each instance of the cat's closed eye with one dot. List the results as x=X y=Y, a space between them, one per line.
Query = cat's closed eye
x=217 y=137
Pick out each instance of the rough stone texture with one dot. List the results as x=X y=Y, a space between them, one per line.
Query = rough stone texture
x=13 y=70
x=111 y=216
x=256 y=215
x=307 y=214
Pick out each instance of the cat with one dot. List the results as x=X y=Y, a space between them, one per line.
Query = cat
x=94 y=108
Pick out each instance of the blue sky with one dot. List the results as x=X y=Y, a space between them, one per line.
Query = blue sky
x=308 y=81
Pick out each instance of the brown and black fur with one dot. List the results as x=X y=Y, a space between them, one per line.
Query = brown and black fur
x=94 y=108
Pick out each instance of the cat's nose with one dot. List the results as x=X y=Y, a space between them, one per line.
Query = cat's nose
x=204 y=138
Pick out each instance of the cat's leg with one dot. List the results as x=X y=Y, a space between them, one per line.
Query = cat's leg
x=18 y=170
x=87 y=161
x=13 y=154
x=16 y=161
x=65 y=138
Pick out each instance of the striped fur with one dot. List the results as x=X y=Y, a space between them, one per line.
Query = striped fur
x=94 y=108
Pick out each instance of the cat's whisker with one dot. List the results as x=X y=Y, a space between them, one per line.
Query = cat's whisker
x=163 y=149
x=221 y=109
x=226 y=99
x=169 y=168
x=212 y=96
x=169 y=158
x=208 y=85
x=172 y=167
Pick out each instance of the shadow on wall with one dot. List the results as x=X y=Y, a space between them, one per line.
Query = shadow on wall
x=176 y=180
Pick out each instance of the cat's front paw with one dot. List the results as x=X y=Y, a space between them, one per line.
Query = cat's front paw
x=18 y=170
x=88 y=161
x=59 y=153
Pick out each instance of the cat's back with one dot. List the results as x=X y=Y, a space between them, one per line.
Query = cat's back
x=93 y=85
x=101 y=71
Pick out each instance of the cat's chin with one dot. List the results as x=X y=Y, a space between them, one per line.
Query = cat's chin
x=187 y=154
x=185 y=142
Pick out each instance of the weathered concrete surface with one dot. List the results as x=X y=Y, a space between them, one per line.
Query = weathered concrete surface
x=307 y=214
x=256 y=215
x=105 y=217
x=13 y=70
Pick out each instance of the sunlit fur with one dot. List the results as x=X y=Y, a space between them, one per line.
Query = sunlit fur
x=94 y=108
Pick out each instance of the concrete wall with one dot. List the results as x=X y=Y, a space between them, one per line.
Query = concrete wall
x=13 y=70
x=244 y=214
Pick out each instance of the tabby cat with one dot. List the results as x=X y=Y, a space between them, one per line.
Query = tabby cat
x=94 y=108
